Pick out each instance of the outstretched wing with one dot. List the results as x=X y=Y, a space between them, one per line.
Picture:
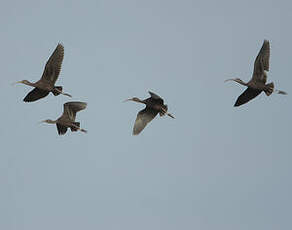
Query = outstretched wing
x=61 y=129
x=35 y=94
x=262 y=63
x=143 y=118
x=71 y=108
x=246 y=96
x=53 y=66
x=156 y=97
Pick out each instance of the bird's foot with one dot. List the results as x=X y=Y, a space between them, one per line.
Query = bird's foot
x=171 y=115
x=83 y=130
x=280 y=92
x=66 y=94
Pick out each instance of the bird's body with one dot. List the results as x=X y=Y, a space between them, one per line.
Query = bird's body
x=67 y=119
x=257 y=84
x=50 y=75
x=154 y=105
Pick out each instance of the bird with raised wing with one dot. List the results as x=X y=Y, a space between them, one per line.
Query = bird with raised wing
x=50 y=75
x=257 y=84
x=154 y=105
x=67 y=120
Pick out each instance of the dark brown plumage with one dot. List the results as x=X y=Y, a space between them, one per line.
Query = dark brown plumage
x=154 y=105
x=257 y=84
x=50 y=75
x=67 y=119
x=246 y=96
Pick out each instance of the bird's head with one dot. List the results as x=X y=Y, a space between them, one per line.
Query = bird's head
x=136 y=99
x=48 y=121
x=26 y=82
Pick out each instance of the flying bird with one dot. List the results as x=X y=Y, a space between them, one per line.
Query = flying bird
x=257 y=84
x=50 y=75
x=154 y=105
x=67 y=120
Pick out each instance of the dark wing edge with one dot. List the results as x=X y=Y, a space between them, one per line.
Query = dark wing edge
x=143 y=118
x=35 y=94
x=246 y=96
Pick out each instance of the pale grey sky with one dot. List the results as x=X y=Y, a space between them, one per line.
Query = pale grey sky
x=213 y=167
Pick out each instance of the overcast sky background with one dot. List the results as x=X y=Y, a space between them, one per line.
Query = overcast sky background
x=213 y=167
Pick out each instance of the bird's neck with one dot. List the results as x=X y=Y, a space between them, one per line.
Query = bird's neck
x=241 y=82
x=28 y=83
x=51 y=121
x=139 y=100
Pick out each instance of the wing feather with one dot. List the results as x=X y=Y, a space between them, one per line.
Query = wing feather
x=262 y=62
x=247 y=95
x=53 y=65
x=143 y=118
x=71 y=108
x=35 y=94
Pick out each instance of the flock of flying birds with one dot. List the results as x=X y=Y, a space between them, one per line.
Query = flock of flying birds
x=154 y=104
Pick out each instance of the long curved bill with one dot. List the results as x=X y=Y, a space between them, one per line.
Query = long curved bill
x=232 y=79
x=14 y=83
x=130 y=99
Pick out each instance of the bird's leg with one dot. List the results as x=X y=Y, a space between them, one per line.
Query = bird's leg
x=269 y=89
x=170 y=115
x=83 y=130
x=165 y=111
x=78 y=128
x=280 y=92
x=66 y=94
x=61 y=92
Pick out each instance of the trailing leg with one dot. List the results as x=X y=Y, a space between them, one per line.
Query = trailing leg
x=59 y=90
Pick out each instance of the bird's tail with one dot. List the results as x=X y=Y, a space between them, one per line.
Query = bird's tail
x=77 y=125
x=57 y=90
x=269 y=88
x=163 y=111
